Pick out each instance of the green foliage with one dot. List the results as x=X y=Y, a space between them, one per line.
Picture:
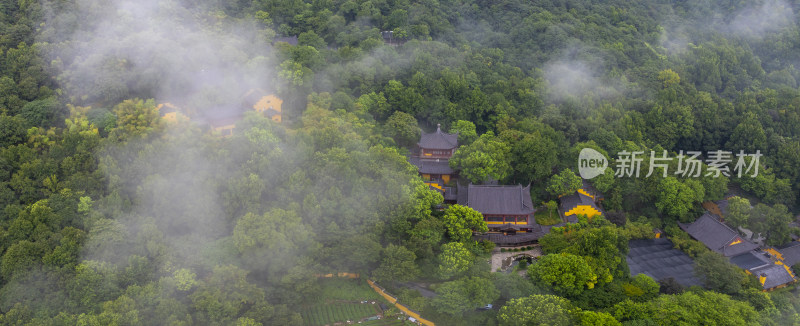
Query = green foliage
x=466 y=131
x=564 y=183
x=459 y=296
x=641 y=288
x=597 y=318
x=738 y=212
x=454 y=260
x=397 y=265
x=685 y=243
x=537 y=310
x=461 y=221
x=512 y=286
x=185 y=280
x=676 y=198
x=689 y=308
x=565 y=273
x=487 y=157
x=402 y=127
x=327 y=190
x=720 y=275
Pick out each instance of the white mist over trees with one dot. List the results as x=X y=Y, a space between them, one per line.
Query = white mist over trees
x=113 y=214
x=108 y=51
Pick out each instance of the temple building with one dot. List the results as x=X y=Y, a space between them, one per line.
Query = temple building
x=507 y=209
x=582 y=202
x=223 y=119
x=269 y=105
x=432 y=159
x=717 y=236
x=170 y=112
x=767 y=265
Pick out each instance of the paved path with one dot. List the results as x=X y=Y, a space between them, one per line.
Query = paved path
x=423 y=289
x=498 y=257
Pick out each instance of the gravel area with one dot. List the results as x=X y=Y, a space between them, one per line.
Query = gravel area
x=498 y=257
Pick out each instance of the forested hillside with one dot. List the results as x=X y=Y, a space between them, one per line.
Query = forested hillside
x=114 y=215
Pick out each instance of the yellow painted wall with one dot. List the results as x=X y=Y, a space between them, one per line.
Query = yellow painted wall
x=514 y=223
x=446 y=178
x=171 y=117
x=435 y=185
x=399 y=306
x=775 y=253
x=270 y=102
x=587 y=210
x=226 y=130
x=585 y=193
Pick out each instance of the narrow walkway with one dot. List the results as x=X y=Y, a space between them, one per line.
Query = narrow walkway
x=402 y=308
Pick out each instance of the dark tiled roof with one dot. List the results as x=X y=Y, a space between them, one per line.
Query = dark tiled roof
x=271 y=113
x=776 y=275
x=450 y=194
x=252 y=97
x=438 y=140
x=750 y=260
x=723 y=207
x=429 y=166
x=571 y=201
x=589 y=188
x=717 y=236
x=659 y=259
x=500 y=200
x=791 y=254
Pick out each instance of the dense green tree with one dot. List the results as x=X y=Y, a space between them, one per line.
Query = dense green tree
x=748 y=136
x=403 y=128
x=565 y=273
x=277 y=235
x=738 y=212
x=397 y=265
x=718 y=274
x=454 y=260
x=459 y=296
x=537 y=310
x=460 y=221
x=326 y=189
x=486 y=158
x=534 y=155
x=466 y=132
x=426 y=235
x=772 y=223
x=597 y=318
x=512 y=286
x=690 y=308
x=564 y=183
x=675 y=198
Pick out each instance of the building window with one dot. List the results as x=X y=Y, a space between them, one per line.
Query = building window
x=494 y=218
x=522 y=219
x=432 y=152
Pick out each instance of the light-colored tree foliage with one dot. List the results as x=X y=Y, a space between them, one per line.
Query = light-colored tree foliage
x=460 y=221
x=565 y=273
